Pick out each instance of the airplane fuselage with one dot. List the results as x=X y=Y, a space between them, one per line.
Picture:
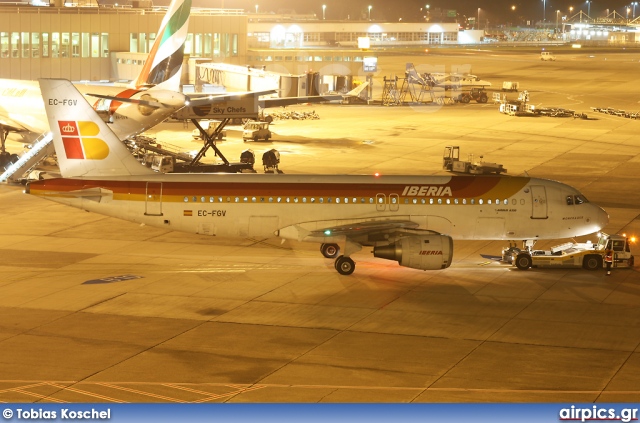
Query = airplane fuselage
x=294 y=206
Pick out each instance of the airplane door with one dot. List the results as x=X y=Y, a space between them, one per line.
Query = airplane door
x=153 y=199
x=394 y=202
x=381 y=203
x=539 y=202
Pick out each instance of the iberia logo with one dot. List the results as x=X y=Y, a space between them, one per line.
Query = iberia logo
x=80 y=142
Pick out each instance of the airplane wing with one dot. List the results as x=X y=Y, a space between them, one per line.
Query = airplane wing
x=202 y=99
x=10 y=125
x=287 y=101
x=364 y=228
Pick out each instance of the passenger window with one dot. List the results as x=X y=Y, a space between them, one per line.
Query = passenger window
x=423 y=201
x=355 y=200
x=246 y=199
x=370 y=200
x=430 y=200
x=473 y=201
x=211 y=199
x=321 y=199
x=415 y=201
x=439 y=200
x=393 y=200
x=380 y=200
x=337 y=200
x=346 y=200
x=288 y=200
x=448 y=201
x=186 y=199
x=195 y=199
x=295 y=199
x=237 y=199
x=253 y=199
x=514 y=202
x=279 y=199
x=455 y=201
x=271 y=199
x=464 y=201
x=522 y=201
x=480 y=201
x=505 y=202
x=569 y=200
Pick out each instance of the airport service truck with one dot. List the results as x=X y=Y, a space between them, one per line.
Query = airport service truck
x=587 y=255
x=451 y=162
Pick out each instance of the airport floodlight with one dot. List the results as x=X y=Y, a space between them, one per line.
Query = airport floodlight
x=256 y=9
x=324 y=8
x=588 y=8
x=370 y=11
x=544 y=11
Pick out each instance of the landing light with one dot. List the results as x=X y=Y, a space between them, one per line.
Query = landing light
x=327 y=232
x=376 y=174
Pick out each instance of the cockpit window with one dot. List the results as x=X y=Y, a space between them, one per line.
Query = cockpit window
x=580 y=199
x=569 y=200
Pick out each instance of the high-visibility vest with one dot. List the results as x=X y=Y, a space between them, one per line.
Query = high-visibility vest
x=608 y=257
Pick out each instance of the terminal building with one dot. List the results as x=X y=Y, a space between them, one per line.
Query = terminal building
x=110 y=43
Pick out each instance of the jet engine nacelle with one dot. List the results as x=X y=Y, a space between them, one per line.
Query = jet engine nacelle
x=428 y=252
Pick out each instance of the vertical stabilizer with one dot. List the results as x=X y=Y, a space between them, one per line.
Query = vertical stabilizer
x=85 y=145
x=163 y=66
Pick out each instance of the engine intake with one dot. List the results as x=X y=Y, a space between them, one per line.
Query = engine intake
x=428 y=252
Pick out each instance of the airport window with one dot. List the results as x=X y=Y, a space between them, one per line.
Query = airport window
x=64 y=44
x=35 y=44
x=216 y=45
x=206 y=45
x=75 y=44
x=142 y=43
x=188 y=44
x=86 y=45
x=278 y=58
x=105 y=44
x=298 y=59
x=15 y=44
x=133 y=42
x=347 y=58
x=337 y=58
x=95 y=44
x=357 y=59
x=197 y=49
x=186 y=199
x=4 y=44
x=25 y=45
x=150 y=40
x=234 y=45
x=288 y=58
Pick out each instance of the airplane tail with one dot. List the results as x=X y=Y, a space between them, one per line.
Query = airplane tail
x=163 y=67
x=84 y=144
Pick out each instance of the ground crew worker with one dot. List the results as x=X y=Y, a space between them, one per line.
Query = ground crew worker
x=608 y=260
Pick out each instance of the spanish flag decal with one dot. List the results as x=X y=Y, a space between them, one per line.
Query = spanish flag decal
x=188 y=213
x=80 y=142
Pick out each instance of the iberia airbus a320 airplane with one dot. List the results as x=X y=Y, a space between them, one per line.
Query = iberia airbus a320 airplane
x=410 y=219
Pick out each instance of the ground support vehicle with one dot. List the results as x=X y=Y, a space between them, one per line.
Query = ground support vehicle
x=256 y=131
x=477 y=94
x=587 y=255
x=211 y=129
x=547 y=55
x=451 y=162
x=510 y=86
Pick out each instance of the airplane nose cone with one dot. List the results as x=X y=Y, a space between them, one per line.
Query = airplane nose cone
x=602 y=218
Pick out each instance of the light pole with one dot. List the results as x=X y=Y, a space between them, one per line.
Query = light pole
x=628 y=10
x=544 y=11
x=570 y=10
x=256 y=9
x=589 y=8
x=634 y=4
x=370 y=12
x=478 y=18
x=428 y=14
x=557 y=14
x=324 y=7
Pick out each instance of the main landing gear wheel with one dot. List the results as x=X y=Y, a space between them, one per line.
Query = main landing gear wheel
x=523 y=261
x=592 y=262
x=344 y=265
x=330 y=250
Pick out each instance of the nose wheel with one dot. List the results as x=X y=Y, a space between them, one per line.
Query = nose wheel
x=344 y=265
x=330 y=250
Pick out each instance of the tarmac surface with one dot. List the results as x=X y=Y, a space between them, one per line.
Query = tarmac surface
x=213 y=320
